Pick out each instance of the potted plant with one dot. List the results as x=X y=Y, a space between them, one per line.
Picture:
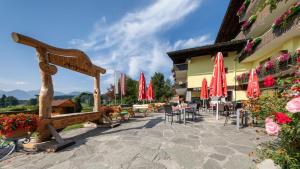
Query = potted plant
x=282 y=60
x=258 y=70
x=269 y=67
x=242 y=10
x=248 y=23
x=284 y=21
x=251 y=45
x=14 y=126
x=294 y=58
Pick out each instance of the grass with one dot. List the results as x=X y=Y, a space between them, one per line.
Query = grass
x=19 y=108
x=74 y=126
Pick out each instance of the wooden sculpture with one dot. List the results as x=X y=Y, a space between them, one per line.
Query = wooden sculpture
x=49 y=57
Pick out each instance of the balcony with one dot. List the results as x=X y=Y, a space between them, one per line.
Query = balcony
x=252 y=9
x=272 y=40
x=264 y=18
x=180 y=67
x=281 y=69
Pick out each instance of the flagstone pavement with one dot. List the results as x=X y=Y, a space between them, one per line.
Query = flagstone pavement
x=149 y=143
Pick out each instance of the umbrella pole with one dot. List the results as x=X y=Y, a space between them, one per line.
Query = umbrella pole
x=217 y=113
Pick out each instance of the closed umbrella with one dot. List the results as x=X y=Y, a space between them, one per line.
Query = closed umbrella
x=253 y=90
x=150 y=93
x=219 y=84
x=142 y=87
x=204 y=91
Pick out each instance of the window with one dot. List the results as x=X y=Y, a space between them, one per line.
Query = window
x=229 y=95
x=226 y=69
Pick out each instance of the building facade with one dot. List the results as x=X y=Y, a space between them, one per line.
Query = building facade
x=253 y=34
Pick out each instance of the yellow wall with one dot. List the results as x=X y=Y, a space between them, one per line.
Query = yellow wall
x=290 y=45
x=202 y=67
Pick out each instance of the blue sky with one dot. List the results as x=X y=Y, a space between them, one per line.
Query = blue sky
x=129 y=36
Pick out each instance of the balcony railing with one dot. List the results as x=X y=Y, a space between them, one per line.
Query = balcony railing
x=179 y=67
x=280 y=69
x=264 y=19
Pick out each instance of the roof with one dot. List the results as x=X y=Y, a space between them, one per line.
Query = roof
x=180 y=56
x=56 y=103
x=230 y=26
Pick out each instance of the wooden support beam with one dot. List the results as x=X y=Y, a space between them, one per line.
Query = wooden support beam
x=46 y=92
x=96 y=93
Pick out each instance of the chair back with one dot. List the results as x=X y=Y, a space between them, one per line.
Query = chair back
x=221 y=107
x=168 y=109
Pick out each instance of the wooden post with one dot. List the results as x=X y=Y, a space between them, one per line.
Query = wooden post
x=96 y=92
x=46 y=92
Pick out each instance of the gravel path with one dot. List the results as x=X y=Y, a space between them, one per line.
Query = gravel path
x=149 y=143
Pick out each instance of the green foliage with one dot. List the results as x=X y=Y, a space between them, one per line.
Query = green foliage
x=285 y=151
x=162 y=88
x=131 y=91
x=2 y=101
x=11 y=101
x=269 y=104
x=32 y=101
x=158 y=82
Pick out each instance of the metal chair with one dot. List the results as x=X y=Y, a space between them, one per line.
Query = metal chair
x=192 y=110
x=170 y=113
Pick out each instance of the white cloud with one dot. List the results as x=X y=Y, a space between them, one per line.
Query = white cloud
x=192 y=42
x=21 y=83
x=132 y=44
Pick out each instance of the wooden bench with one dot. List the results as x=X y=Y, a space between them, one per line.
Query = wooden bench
x=141 y=107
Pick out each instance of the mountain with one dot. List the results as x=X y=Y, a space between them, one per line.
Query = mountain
x=25 y=95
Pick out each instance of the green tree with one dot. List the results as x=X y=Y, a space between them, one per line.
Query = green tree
x=168 y=89
x=11 y=101
x=2 y=101
x=158 y=83
x=32 y=101
x=131 y=91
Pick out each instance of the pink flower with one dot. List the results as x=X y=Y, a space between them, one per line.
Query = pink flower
x=249 y=46
x=268 y=119
x=283 y=57
x=269 y=81
x=293 y=105
x=278 y=21
x=269 y=65
x=272 y=128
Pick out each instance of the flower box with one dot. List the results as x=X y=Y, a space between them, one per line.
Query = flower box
x=19 y=133
x=18 y=125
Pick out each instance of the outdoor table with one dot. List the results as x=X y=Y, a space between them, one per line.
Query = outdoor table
x=243 y=115
x=183 y=111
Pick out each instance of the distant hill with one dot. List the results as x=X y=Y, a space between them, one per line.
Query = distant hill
x=25 y=95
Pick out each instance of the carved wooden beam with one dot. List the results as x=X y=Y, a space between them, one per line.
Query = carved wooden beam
x=82 y=61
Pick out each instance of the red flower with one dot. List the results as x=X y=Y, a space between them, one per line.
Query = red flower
x=282 y=118
x=269 y=81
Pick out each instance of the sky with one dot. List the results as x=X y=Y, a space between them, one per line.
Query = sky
x=129 y=36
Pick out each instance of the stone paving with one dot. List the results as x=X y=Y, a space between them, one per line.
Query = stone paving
x=149 y=143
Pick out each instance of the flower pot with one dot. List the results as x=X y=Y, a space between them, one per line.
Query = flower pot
x=21 y=132
x=283 y=65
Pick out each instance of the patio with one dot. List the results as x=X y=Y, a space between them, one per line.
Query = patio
x=149 y=143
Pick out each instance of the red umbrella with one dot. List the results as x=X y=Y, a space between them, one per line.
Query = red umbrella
x=253 y=90
x=211 y=86
x=150 y=93
x=204 y=91
x=142 y=87
x=219 y=84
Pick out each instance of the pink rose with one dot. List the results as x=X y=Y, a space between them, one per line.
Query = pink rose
x=268 y=119
x=293 y=105
x=272 y=128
